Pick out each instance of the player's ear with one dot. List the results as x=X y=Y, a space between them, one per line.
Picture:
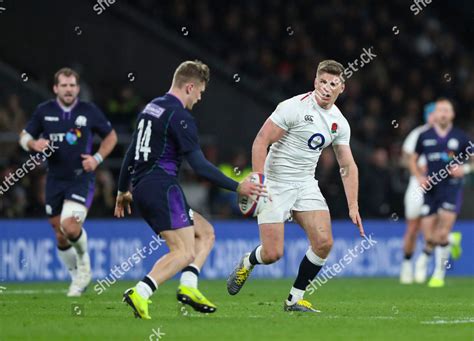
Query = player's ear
x=189 y=88
x=55 y=89
x=343 y=86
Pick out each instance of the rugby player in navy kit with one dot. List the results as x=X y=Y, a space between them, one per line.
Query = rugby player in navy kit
x=69 y=124
x=447 y=150
x=165 y=135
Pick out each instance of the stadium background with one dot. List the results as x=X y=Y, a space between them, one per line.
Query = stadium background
x=259 y=53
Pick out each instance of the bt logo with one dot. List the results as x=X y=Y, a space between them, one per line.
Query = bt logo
x=72 y=136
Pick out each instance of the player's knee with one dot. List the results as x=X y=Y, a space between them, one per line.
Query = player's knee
x=323 y=245
x=272 y=255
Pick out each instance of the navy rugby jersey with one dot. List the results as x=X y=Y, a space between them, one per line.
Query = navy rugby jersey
x=165 y=132
x=71 y=133
x=440 y=151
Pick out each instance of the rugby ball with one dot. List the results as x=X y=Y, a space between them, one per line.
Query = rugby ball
x=252 y=205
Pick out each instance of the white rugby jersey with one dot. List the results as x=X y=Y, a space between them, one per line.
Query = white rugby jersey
x=409 y=147
x=309 y=129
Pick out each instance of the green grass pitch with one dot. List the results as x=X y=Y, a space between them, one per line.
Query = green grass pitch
x=352 y=309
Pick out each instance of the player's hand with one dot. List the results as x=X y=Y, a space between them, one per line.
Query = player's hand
x=39 y=145
x=456 y=171
x=123 y=203
x=89 y=163
x=250 y=188
x=357 y=220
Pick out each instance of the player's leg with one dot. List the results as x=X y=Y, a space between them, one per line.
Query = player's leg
x=181 y=253
x=271 y=227
x=73 y=215
x=77 y=200
x=445 y=223
x=413 y=202
x=55 y=192
x=203 y=243
x=269 y=251
x=427 y=225
x=409 y=244
x=188 y=291
x=429 y=215
x=66 y=253
x=317 y=226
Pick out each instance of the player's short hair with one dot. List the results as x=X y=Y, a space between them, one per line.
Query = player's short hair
x=444 y=99
x=66 y=71
x=191 y=70
x=332 y=67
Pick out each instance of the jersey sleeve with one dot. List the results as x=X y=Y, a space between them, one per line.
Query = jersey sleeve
x=419 y=145
x=409 y=144
x=184 y=131
x=101 y=125
x=344 y=135
x=282 y=116
x=34 y=127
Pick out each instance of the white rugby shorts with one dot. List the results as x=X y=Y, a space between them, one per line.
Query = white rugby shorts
x=288 y=197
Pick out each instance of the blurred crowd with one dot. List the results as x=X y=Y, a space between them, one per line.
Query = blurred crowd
x=277 y=45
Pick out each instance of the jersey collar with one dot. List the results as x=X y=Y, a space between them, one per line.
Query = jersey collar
x=174 y=97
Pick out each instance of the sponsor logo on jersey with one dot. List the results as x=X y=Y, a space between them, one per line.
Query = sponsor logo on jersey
x=81 y=121
x=73 y=135
x=431 y=142
x=154 y=110
x=453 y=144
x=78 y=197
x=57 y=137
x=51 y=118
x=308 y=118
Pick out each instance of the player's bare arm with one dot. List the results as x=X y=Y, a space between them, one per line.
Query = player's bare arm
x=350 y=180
x=414 y=169
x=91 y=162
x=268 y=134
x=34 y=145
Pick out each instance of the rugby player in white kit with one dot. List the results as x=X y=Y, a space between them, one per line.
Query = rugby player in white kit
x=413 y=201
x=298 y=130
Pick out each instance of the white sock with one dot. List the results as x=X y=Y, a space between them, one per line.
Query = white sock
x=144 y=290
x=423 y=258
x=258 y=255
x=189 y=278
x=451 y=239
x=441 y=260
x=81 y=244
x=296 y=295
x=69 y=259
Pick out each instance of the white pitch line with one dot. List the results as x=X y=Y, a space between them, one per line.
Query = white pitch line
x=31 y=292
x=467 y=320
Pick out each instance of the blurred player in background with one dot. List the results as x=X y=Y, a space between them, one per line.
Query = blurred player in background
x=447 y=150
x=413 y=200
x=165 y=134
x=69 y=124
x=298 y=130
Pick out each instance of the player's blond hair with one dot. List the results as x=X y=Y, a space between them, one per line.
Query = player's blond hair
x=189 y=71
x=66 y=71
x=332 y=67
